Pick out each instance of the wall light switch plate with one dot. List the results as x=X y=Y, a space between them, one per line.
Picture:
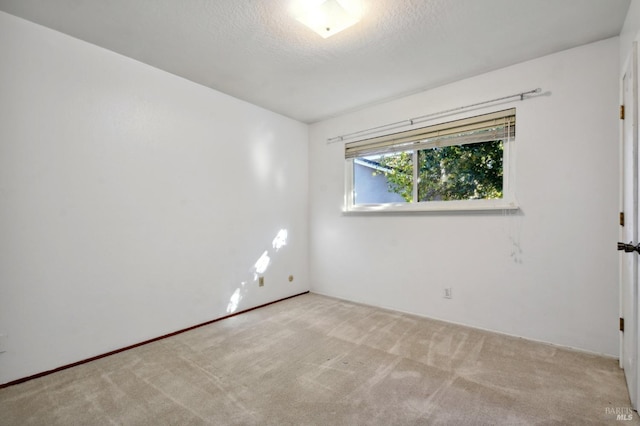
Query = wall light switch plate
x=447 y=294
x=4 y=341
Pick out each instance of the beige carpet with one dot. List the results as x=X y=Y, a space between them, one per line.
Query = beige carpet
x=313 y=360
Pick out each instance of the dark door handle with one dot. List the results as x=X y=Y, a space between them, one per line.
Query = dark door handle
x=628 y=248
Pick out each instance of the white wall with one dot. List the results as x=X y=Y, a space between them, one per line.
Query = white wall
x=548 y=272
x=629 y=33
x=133 y=203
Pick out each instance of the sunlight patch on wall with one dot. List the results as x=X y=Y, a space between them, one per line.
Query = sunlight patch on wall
x=259 y=268
x=262 y=264
x=280 y=240
x=234 y=301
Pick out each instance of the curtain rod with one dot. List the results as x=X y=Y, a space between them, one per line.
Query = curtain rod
x=412 y=121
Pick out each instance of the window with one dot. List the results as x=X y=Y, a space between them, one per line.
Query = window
x=458 y=165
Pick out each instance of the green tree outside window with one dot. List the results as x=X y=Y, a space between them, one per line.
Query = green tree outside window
x=458 y=172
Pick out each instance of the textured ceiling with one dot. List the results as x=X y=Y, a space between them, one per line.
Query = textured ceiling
x=256 y=51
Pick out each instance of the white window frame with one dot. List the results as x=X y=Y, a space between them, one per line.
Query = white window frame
x=507 y=202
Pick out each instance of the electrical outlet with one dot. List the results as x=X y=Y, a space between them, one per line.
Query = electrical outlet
x=261 y=282
x=447 y=294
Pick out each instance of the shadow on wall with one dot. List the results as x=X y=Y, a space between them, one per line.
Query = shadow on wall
x=259 y=268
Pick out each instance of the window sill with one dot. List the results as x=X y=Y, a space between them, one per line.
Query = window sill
x=433 y=206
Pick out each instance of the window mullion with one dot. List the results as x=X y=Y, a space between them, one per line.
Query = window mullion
x=416 y=168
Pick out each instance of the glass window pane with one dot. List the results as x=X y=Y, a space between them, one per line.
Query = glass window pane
x=385 y=178
x=461 y=172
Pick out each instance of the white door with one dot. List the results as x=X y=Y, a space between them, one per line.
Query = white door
x=629 y=232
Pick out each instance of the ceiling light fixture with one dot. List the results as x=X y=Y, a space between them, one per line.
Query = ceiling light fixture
x=327 y=17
